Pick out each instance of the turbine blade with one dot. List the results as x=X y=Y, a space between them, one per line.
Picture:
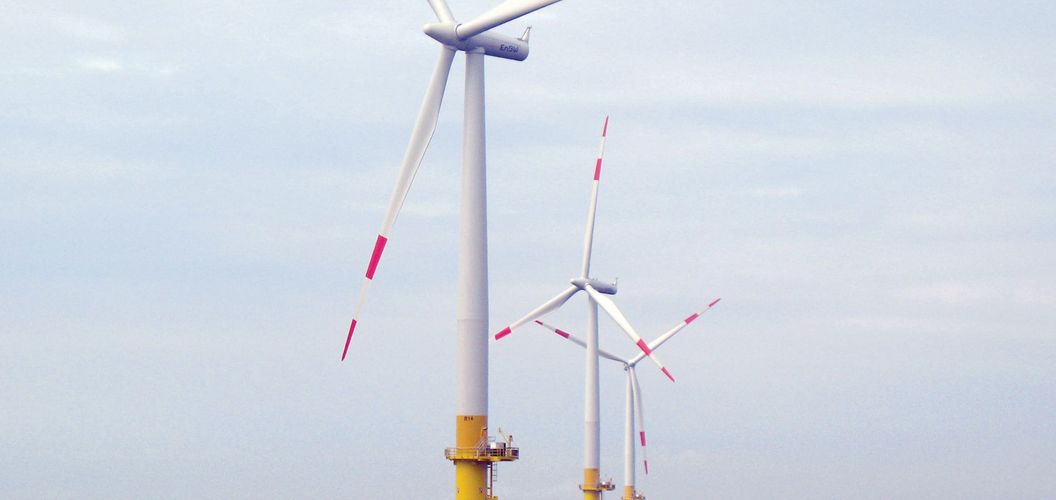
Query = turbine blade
x=588 y=236
x=578 y=341
x=614 y=312
x=443 y=14
x=654 y=345
x=677 y=328
x=639 y=410
x=501 y=14
x=420 y=137
x=548 y=306
x=572 y=338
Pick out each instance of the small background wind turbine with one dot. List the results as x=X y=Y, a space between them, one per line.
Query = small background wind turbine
x=592 y=485
x=634 y=408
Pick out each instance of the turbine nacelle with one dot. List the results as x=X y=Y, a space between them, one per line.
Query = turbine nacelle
x=600 y=286
x=493 y=44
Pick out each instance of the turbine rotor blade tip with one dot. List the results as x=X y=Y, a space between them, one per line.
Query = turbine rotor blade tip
x=348 y=340
x=668 y=374
x=716 y=301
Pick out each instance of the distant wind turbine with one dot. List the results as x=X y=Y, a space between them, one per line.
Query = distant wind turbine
x=634 y=406
x=596 y=290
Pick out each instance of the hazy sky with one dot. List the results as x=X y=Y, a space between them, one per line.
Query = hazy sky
x=189 y=192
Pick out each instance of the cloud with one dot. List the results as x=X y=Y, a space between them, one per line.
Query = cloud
x=101 y=65
x=776 y=192
x=985 y=293
x=88 y=29
x=867 y=82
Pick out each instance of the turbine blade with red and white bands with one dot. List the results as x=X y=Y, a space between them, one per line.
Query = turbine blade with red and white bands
x=588 y=236
x=614 y=312
x=424 y=127
x=639 y=411
x=547 y=307
x=579 y=342
x=655 y=344
x=500 y=14
x=562 y=333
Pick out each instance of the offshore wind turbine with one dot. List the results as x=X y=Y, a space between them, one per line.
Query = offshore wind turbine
x=596 y=290
x=634 y=408
x=472 y=478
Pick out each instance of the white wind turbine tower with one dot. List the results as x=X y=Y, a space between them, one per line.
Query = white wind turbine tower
x=472 y=478
x=634 y=408
x=596 y=290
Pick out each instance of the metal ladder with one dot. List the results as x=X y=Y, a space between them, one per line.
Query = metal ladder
x=493 y=475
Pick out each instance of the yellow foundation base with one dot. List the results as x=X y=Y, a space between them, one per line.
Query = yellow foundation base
x=471 y=476
x=591 y=484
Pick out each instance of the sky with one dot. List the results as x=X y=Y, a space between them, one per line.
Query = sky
x=189 y=193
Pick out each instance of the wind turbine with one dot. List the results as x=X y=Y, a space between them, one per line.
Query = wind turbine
x=634 y=407
x=472 y=478
x=596 y=290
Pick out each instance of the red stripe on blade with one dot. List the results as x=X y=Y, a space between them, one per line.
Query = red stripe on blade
x=379 y=246
x=716 y=301
x=642 y=435
x=561 y=332
x=348 y=340
x=597 y=169
x=691 y=318
x=605 y=129
x=505 y=331
x=646 y=466
x=668 y=374
x=645 y=348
